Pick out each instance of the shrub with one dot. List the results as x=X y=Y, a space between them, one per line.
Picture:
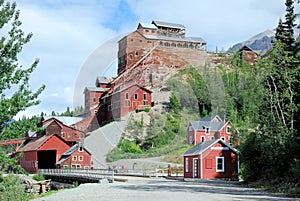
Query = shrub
x=12 y=188
x=130 y=147
x=38 y=177
x=147 y=109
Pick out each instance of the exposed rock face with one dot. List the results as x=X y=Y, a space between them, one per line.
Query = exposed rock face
x=261 y=42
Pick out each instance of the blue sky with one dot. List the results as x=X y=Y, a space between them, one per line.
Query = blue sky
x=70 y=33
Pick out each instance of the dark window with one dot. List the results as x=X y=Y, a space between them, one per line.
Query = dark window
x=219 y=164
x=126 y=96
x=145 y=96
x=135 y=96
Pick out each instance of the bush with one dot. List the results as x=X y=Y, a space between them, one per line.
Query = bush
x=147 y=109
x=12 y=188
x=38 y=177
x=130 y=147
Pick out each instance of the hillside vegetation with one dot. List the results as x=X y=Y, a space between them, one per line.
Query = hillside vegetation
x=261 y=101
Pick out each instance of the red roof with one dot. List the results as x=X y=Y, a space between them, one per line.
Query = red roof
x=35 y=144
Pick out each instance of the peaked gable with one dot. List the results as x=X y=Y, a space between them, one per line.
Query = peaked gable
x=203 y=146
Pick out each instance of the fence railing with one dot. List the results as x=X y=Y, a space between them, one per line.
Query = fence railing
x=96 y=174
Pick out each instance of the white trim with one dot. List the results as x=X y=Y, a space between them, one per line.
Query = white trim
x=223 y=164
x=226 y=129
x=186 y=164
x=195 y=137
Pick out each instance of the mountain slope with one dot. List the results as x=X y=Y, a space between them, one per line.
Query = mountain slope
x=261 y=42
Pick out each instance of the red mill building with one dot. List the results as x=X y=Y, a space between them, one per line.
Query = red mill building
x=153 y=48
x=146 y=57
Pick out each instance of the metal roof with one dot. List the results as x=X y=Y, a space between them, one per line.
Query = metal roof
x=35 y=143
x=65 y=120
x=203 y=146
x=168 y=24
x=97 y=89
x=208 y=122
x=147 y=25
x=102 y=80
x=201 y=125
x=183 y=39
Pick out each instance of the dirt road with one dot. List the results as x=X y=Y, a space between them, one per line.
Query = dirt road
x=158 y=189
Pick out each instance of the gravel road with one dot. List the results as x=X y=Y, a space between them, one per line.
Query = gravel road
x=159 y=189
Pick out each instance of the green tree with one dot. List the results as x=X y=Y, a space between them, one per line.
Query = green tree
x=16 y=94
x=276 y=139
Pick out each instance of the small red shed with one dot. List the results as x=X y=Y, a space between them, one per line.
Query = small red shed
x=211 y=160
x=76 y=157
x=42 y=153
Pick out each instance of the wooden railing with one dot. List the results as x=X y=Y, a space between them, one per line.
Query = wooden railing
x=82 y=175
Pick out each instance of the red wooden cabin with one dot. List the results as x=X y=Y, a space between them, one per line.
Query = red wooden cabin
x=76 y=157
x=122 y=101
x=209 y=128
x=211 y=160
x=42 y=152
x=54 y=126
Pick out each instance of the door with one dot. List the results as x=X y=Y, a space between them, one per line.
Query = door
x=195 y=168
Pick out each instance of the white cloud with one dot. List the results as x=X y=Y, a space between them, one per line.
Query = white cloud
x=67 y=34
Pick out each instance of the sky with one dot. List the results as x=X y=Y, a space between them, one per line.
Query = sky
x=76 y=40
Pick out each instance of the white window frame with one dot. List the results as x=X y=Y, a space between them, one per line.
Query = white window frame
x=186 y=164
x=223 y=164
x=202 y=138
x=223 y=138
x=228 y=129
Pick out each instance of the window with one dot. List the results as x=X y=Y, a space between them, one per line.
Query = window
x=230 y=140
x=153 y=31
x=186 y=164
x=135 y=96
x=228 y=130
x=202 y=138
x=145 y=102
x=190 y=128
x=207 y=130
x=146 y=30
x=75 y=135
x=219 y=164
x=131 y=40
x=63 y=134
x=212 y=137
x=136 y=53
x=223 y=138
x=191 y=139
x=69 y=135
x=145 y=96
x=127 y=103
x=94 y=99
x=80 y=158
x=74 y=158
x=141 y=41
x=130 y=57
x=126 y=96
x=80 y=149
x=86 y=167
